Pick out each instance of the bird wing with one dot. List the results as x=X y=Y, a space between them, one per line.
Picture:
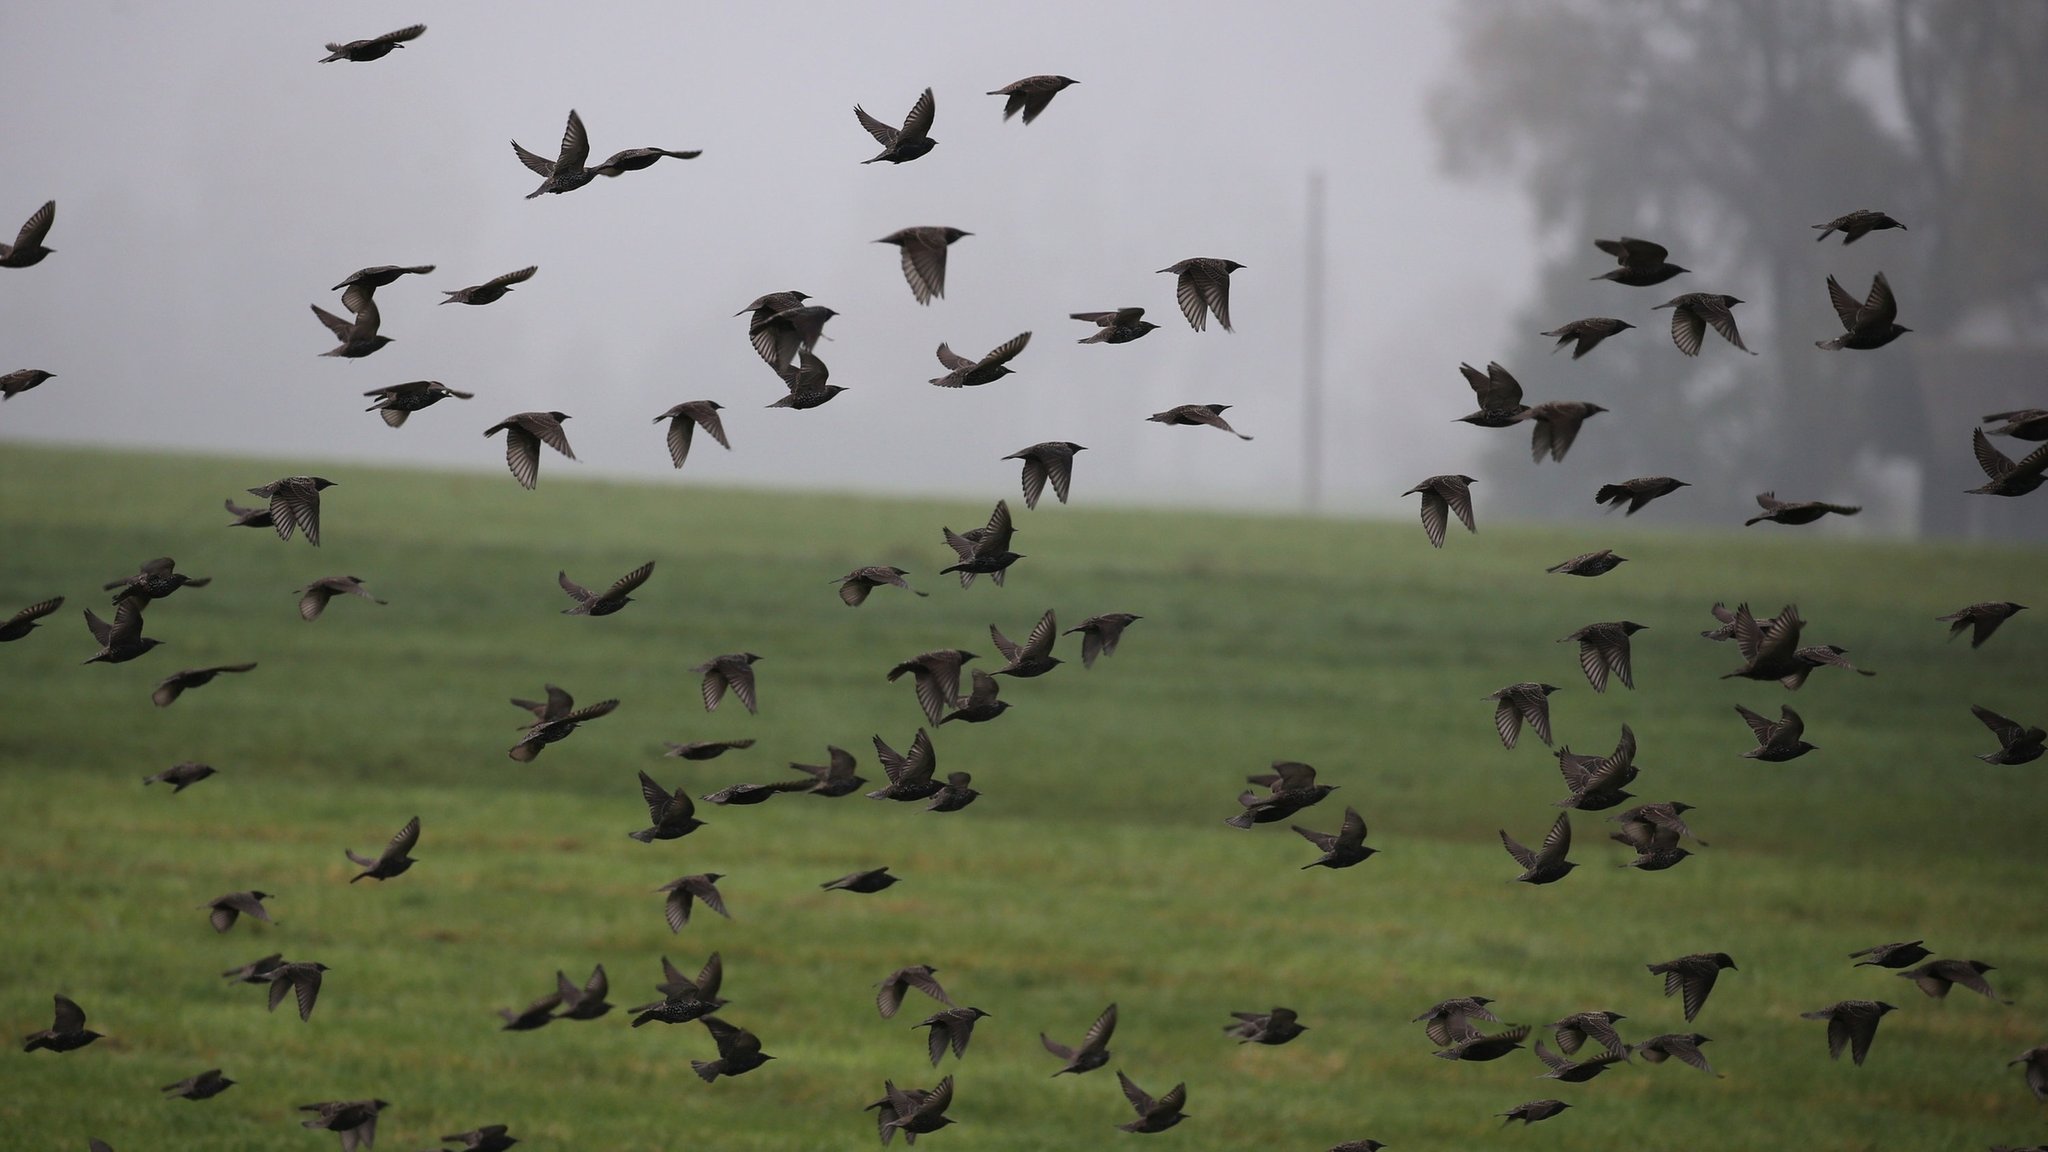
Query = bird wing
x=1435 y=516
x=918 y=765
x=741 y=677
x=918 y=124
x=335 y=324
x=924 y=267
x=1007 y=351
x=657 y=798
x=1035 y=475
x=630 y=581
x=1188 y=291
x=305 y=983
x=1881 y=308
x=1039 y=643
x=883 y=133
x=509 y=278
x=1688 y=328
x=996 y=536
x=2007 y=731
x=1593 y=662
x=1758 y=725
x=953 y=360
x=1558 y=842
x=1847 y=307
x=1994 y=463
x=69 y=1016
x=575 y=145
x=1523 y=856
x=577 y=592
x=1136 y=1095
x=522 y=455
x=541 y=165
x=37 y=227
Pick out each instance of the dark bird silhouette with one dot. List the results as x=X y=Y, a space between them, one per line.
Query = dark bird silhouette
x=1770 y=650
x=705 y=749
x=1202 y=287
x=398 y=401
x=204 y=1086
x=2036 y=1061
x=1272 y=1028
x=1815 y=656
x=781 y=325
x=538 y=1014
x=2017 y=743
x=734 y=670
x=1478 y=1047
x=913 y=1112
x=1342 y=848
x=1557 y=425
x=1030 y=95
x=902 y=145
x=684 y=419
x=1692 y=976
x=1575 y=1071
x=1604 y=651
x=294 y=504
x=1598 y=783
x=555 y=719
x=1533 y=1111
x=566 y=172
x=359 y=335
x=355 y=1121
x=866 y=882
x=1209 y=414
x=855 y=585
x=25 y=621
x=885 y=1109
x=936 y=676
x=1937 y=976
x=1100 y=634
x=1292 y=787
x=679 y=1007
x=1796 y=511
x=1983 y=618
x=1449 y=1022
x=952 y=1028
x=181 y=775
x=746 y=794
x=1693 y=313
x=1683 y=1047
x=1499 y=395
x=27 y=248
x=1639 y=263
x=1852 y=1024
x=1358 y=1146
x=67 y=1033
x=1154 y=1115
x=1856 y=225
x=684 y=889
x=1587 y=333
x=256 y=971
x=1547 y=864
x=981 y=704
x=1647 y=826
x=122 y=640
x=375 y=48
x=674 y=814
x=171 y=687
x=2021 y=423
x=924 y=259
x=15 y=383
x=302 y=979
x=524 y=433
x=604 y=603
x=1903 y=954
x=837 y=778
x=910 y=776
x=806 y=383
x=1519 y=704
x=1034 y=656
x=1776 y=740
x=1093 y=1050
x=381 y=275
x=247 y=517
x=703 y=987
x=489 y=1138
x=964 y=373
x=313 y=597
x=584 y=1003
x=1870 y=324
x=393 y=860
x=1637 y=492
x=640 y=159
x=1442 y=495
x=890 y=990
x=1052 y=460
x=1118 y=327
x=2005 y=478
x=984 y=550
x=227 y=909
x=1573 y=1031
x=492 y=290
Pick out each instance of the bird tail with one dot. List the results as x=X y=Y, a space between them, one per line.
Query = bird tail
x=645 y=836
x=706 y=1070
x=1241 y=820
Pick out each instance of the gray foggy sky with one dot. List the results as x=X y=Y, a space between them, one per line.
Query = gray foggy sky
x=212 y=181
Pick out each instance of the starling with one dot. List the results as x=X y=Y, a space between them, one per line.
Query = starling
x=1210 y=414
x=1936 y=977
x=1547 y=864
x=535 y=1015
x=806 y=383
x=24 y=622
x=900 y=146
x=1533 y=1111
x=565 y=173
x=227 y=909
x=490 y=291
x=554 y=720
x=924 y=262
x=1476 y=1046
x=704 y=987
x=2036 y=1061
x=763 y=311
x=2017 y=744
x=1648 y=824
x=885 y=1109
x=745 y=794
x=952 y=1028
x=358 y=336
x=1275 y=1027
x=935 y=675
x=1682 y=1046
x=2021 y=424
x=837 y=778
x=1285 y=774
x=706 y=749
x=489 y=1138
x=684 y=419
x=28 y=247
x=1358 y=1146
x=381 y=275
x=155 y=581
x=1815 y=656
x=204 y=1086
x=1587 y=333
x=398 y=401
x=1639 y=262
x=585 y=1003
x=301 y=978
x=984 y=550
x=676 y=1008
x=181 y=775
x=1770 y=650
x=1093 y=1051
x=1118 y=327
x=980 y=704
x=1449 y=1022
x=964 y=373
x=1154 y=1115
x=1694 y=311
x=1202 y=286
x=1983 y=618
x=1598 y=783
x=1442 y=495
x=1100 y=634
x=1575 y=1071
x=294 y=504
x=683 y=889
x=2005 y=478
x=1796 y=511
x=354 y=1120
x=1557 y=425
x=15 y=383
x=783 y=334
x=1033 y=657
x=393 y=860
x=1521 y=704
x=1776 y=741
x=524 y=434
x=358 y=51
x=1693 y=976
x=1030 y=95
x=170 y=687
x=122 y=640
x=916 y=1115
x=1902 y=954
x=910 y=777
x=891 y=989
x=1604 y=650
x=1855 y=226
x=1342 y=848
x=256 y=971
x=734 y=670
x=1573 y=1031
x=313 y=597
x=1662 y=852
x=1052 y=460
x=247 y=517
x=640 y=159
x=867 y=882
x=674 y=815
x=1637 y=492
x=1293 y=788
x=67 y=1033
x=1852 y=1024
x=855 y=585
x=612 y=599
x=1871 y=324
x=1499 y=395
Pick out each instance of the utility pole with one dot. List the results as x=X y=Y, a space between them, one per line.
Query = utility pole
x=1312 y=354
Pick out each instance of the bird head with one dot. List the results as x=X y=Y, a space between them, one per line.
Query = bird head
x=559 y=415
x=953 y=234
x=1073 y=447
x=1630 y=627
x=321 y=482
x=713 y=877
x=1883 y=1007
x=1231 y=265
x=1723 y=960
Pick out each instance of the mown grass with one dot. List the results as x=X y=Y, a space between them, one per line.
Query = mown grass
x=1096 y=867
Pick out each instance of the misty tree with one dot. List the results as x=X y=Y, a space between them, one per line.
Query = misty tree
x=1723 y=129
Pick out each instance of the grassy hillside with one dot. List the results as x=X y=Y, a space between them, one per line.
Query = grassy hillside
x=1094 y=868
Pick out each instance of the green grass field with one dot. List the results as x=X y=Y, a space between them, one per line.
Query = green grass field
x=1095 y=867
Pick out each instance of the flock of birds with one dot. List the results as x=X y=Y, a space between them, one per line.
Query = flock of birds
x=784 y=328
